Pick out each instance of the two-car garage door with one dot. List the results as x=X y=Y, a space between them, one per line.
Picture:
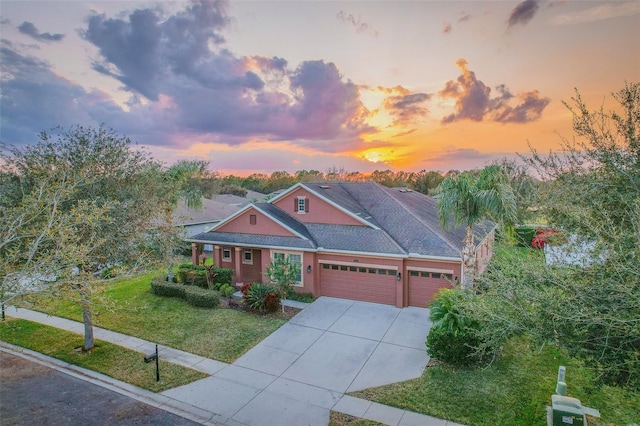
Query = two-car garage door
x=365 y=283
x=378 y=284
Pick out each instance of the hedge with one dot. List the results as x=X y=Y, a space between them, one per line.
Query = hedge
x=201 y=297
x=197 y=275
x=161 y=287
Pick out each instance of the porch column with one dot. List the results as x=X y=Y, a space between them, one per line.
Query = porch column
x=195 y=252
x=217 y=259
x=238 y=265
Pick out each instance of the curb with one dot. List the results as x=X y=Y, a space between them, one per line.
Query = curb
x=186 y=411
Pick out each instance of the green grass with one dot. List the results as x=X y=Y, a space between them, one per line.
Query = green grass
x=512 y=391
x=106 y=358
x=221 y=334
x=341 y=419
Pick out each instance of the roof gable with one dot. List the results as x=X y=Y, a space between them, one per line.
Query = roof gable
x=254 y=220
x=324 y=208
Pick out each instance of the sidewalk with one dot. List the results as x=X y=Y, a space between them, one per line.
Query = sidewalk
x=315 y=403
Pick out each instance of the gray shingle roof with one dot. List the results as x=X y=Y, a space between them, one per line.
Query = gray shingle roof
x=408 y=223
x=253 y=240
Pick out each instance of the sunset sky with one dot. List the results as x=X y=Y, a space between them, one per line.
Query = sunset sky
x=260 y=86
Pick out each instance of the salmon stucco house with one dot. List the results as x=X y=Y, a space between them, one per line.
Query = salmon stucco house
x=356 y=240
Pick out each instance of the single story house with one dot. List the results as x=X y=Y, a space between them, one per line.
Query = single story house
x=353 y=240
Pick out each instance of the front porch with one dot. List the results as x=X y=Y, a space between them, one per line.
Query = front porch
x=246 y=262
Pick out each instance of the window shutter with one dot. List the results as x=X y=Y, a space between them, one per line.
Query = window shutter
x=295 y=205
x=306 y=205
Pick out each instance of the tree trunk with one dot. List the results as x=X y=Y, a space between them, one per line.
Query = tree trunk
x=88 y=324
x=170 y=268
x=468 y=259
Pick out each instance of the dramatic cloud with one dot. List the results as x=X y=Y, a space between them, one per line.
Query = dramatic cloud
x=404 y=105
x=357 y=23
x=474 y=101
x=29 y=29
x=34 y=99
x=523 y=12
x=185 y=86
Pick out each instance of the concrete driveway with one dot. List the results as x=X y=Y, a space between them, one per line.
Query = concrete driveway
x=298 y=373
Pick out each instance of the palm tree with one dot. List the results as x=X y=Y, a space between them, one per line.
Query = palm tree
x=182 y=179
x=466 y=199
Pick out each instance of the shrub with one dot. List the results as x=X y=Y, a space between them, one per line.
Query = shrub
x=227 y=291
x=301 y=297
x=192 y=274
x=202 y=297
x=160 y=287
x=458 y=350
x=256 y=297
x=271 y=301
x=108 y=272
x=525 y=234
x=223 y=275
x=245 y=288
x=452 y=338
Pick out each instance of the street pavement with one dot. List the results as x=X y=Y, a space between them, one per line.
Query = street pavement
x=300 y=372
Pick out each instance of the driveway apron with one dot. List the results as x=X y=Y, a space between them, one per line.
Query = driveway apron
x=298 y=373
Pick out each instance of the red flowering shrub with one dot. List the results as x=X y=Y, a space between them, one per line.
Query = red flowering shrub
x=271 y=301
x=245 y=288
x=543 y=236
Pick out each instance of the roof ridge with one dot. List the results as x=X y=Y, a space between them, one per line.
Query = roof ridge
x=438 y=232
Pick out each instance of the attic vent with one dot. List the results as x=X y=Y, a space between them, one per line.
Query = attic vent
x=405 y=190
x=325 y=186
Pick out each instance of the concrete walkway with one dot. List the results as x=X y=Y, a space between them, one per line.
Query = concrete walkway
x=293 y=377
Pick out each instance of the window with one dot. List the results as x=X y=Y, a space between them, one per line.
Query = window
x=247 y=257
x=447 y=277
x=362 y=269
x=301 y=205
x=353 y=269
x=334 y=267
x=226 y=254
x=382 y=271
x=414 y=273
x=424 y=274
x=252 y=219
x=343 y=268
x=436 y=275
x=294 y=259
x=325 y=266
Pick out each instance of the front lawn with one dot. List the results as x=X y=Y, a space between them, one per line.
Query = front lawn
x=514 y=390
x=220 y=334
x=106 y=358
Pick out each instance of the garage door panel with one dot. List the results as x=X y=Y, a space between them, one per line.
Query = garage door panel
x=358 y=283
x=423 y=286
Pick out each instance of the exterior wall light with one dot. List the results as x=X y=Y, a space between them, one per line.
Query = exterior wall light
x=308 y=269
x=399 y=276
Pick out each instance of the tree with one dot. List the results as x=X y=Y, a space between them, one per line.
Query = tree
x=590 y=190
x=183 y=181
x=468 y=200
x=282 y=275
x=73 y=203
x=525 y=187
